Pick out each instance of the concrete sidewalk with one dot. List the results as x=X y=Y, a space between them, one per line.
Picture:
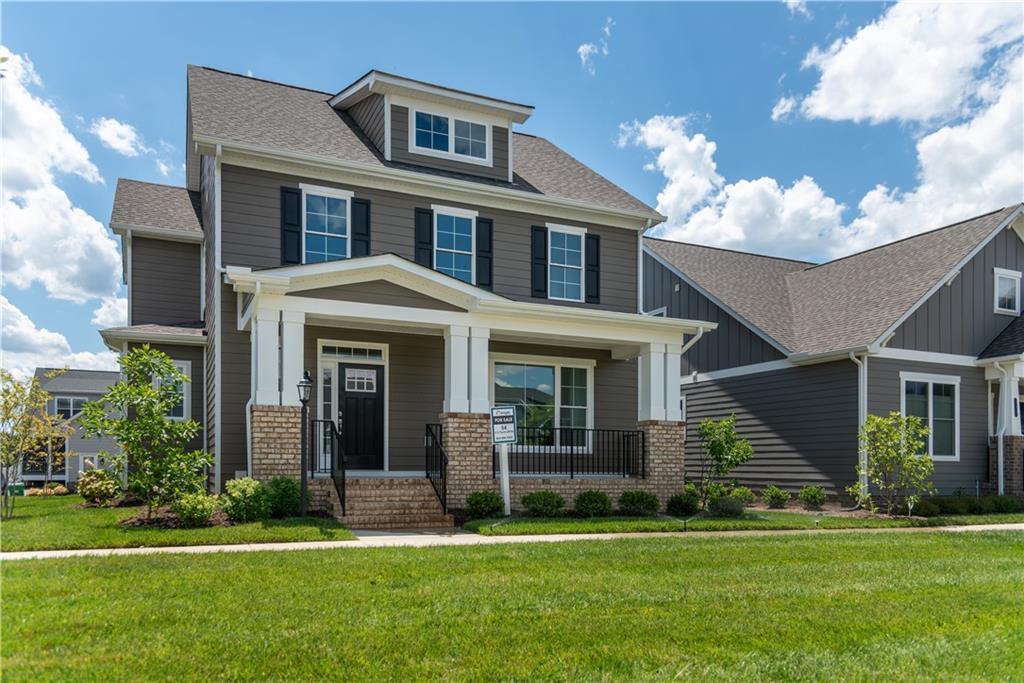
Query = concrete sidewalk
x=432 y=539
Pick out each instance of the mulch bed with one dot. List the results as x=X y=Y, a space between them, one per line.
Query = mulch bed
x=163 y=518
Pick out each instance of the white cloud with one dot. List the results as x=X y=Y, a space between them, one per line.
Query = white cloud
x=587 y=51
x=26 y=347
x=798 y=7
x=783 y=108
x=112 y=312
x=918 y=62
x=121 y=137
x=164 y=168
x=38 y=215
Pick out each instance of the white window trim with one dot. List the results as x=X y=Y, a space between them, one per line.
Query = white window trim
x=558 y=363
x=451 y=115
x=569 y=230
x=185 y=367
x=67 y=397
x=331 y=362
x=1013 y=275
x=458 y=213
x=934 y=379
x=335 y=193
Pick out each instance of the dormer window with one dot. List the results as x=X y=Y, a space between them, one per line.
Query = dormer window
x=471 y=139
x=450 y=136
x=432 y=131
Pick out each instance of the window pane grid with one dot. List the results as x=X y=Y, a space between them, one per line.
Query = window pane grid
x=453 y=253
x=470 y=139
x=326 y=228
x=935 y=404
x=565 y=267
x=432 y=131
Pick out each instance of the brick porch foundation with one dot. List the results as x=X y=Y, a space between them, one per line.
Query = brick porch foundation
x=1013 y=465
x=276 y=441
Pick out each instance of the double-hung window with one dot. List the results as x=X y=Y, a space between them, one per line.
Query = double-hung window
x=455 y=242
x=182 y=409
x=68 y=406
x=326 y=214
x=565 y=263
x=936 y=400
x=1007 y=291
x=552 y=397
x=448 y=135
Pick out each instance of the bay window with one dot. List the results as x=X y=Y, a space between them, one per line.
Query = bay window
x=936 y=400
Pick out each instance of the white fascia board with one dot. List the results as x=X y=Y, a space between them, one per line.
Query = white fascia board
x=167 y=234
x=667 y=329
x=1012 y=358
x=925 y=357
x=805 y=358
x=439 y=187
x=114 y=340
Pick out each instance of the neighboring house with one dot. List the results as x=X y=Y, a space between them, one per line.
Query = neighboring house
x=423 y=261
x=69 y=390
x=929 y=326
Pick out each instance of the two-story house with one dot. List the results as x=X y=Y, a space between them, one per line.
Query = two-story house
x=927 y=326
x=423 y=261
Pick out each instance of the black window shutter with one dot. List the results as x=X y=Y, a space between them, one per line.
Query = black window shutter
x=593 y=269
x=484 y=252
x=425 y=237
x=539 y=262
x=360 y=227
x=291 y=225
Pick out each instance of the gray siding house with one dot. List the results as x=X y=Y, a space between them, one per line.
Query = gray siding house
x=928 y=325
x=422 y=261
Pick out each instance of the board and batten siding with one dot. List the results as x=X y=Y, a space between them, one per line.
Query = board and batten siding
x=401 y=150
x=731 y=345
x=960 y=318
x=251 y=227
x=369 y=116
x=165 y=281
x=972 y=469
x=801 y=422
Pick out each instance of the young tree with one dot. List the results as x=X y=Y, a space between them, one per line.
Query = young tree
x=721 y=451
x=134 y=413
x=899 y=468
x=26 y=430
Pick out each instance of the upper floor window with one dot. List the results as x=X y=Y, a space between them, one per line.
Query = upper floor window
x=182 y=410
x=1007 y=291
x=454 y=243
x=326 y=214
x=936 y=400
x=447 y=135
x=68 y=406
x=565 y=263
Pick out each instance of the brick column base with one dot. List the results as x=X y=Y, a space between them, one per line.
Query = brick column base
x=666 y=471
x=1013 y=465
x=467 y=440
x=276 y=441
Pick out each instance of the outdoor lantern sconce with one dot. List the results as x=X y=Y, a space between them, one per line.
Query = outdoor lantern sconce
x=304 y=386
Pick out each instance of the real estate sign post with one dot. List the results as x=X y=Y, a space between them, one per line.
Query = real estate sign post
x=503 y=432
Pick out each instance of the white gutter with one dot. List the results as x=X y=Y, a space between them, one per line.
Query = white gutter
x=1003 y=395
x=862 y=412
x=689 y=345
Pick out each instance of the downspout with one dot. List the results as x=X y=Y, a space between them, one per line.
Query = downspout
x=1001 y=418
x=640 y=267
x=862 y=412
x=689 y=345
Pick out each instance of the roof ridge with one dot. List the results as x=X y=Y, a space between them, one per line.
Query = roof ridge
x=734 y=251
x=261 y=80
x=150 y=182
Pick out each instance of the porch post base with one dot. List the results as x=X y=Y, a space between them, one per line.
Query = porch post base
x=276 y=441
x=467 y=441
x=666 y=469
x=1013 y=465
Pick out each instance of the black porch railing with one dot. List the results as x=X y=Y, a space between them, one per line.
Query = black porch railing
x=326 y=454
x=574 y=452
x=436 y=461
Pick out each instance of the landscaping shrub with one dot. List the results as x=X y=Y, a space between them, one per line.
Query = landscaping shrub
x=744 y=495
x=774 y=497
x=812 y=497
x=194 y=509
x=927 y=508
x=482 y=504
x=951 y=505
x=899 y=470
x=1005 y=504
x=98 y=486
x=683 y=504
x=970 y=505
x=721 y=451
x=593 y=504
x=246 y=500
x=543 y=503
x=716 y=489
x=285 y=496
x=51 y=489
x=725 y=506
x=639 y=503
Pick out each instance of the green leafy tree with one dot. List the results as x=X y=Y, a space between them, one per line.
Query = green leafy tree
x=134 y=413
x=27 y=431
x=899 y=468
x=722 y=450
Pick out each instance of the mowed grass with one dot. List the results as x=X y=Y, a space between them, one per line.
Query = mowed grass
x=60 y=522
x=937 y=606
x=752 y=520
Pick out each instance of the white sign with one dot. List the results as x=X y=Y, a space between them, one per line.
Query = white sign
x=503 y=425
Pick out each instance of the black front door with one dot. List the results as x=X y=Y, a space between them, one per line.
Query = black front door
x=361 y=414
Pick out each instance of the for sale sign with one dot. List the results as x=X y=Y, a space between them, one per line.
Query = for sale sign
x=503 y=425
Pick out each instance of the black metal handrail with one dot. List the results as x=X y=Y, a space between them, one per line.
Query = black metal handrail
x=436 y=462
x=327 y=455
x=575 y=451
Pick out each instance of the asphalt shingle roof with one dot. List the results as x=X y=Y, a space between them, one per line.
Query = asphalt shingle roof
x=845 y=303
x=151 y=205
x=257 y=112
x=1010 y=341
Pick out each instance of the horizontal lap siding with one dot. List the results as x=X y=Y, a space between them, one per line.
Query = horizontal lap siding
x=972 y=469
x=400 y=150
x=369 y=116
x=165 y=281
x=960 y=318
x=732 y=344
x=801 y=422
x=197 y=390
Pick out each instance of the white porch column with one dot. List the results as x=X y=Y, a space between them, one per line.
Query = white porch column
x=265 y=350
x=1008 y=375
x=479 y=370
x=673 y=360
x=293 y=325
x=652 y=382
x=456 y=369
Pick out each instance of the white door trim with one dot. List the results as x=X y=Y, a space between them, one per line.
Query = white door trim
x=331 y=362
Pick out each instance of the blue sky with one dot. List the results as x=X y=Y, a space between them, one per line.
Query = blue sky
x=685 y=90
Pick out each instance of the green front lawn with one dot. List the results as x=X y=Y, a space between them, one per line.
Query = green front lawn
x=809 y=607
x=60 y=522
x=752 y=520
